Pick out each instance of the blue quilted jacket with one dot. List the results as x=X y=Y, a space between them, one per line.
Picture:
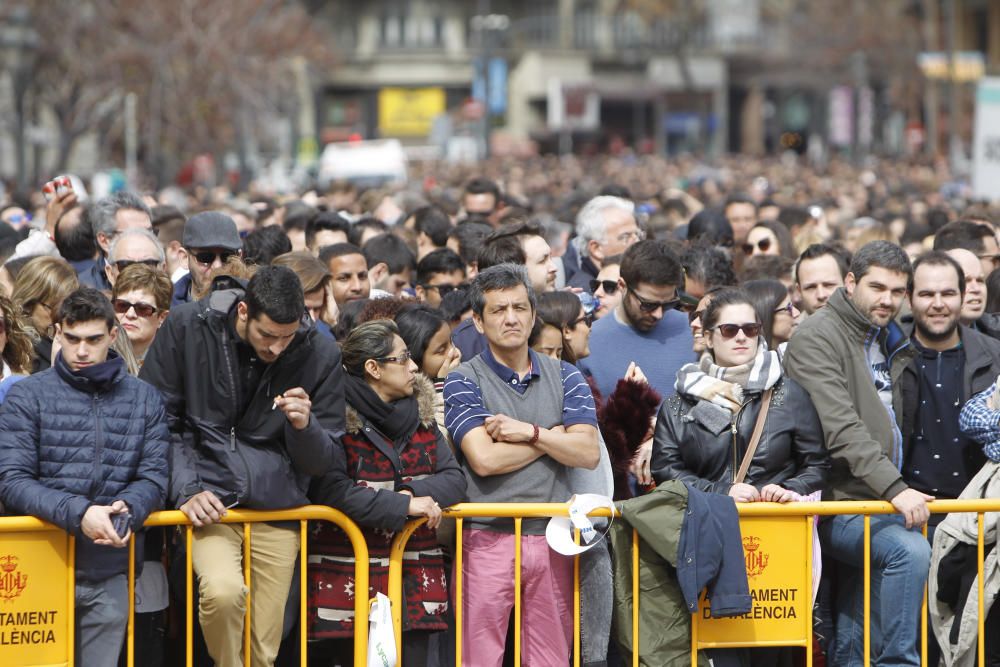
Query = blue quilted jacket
x=67 y=443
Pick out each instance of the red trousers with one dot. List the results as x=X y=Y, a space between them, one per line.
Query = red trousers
x=488 y=598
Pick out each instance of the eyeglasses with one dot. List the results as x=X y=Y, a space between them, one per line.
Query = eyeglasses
x=123 y=264
x=208 y=257
x=141 y=309
x=695 y=315
x=994 y=259
x=444 y=290
x=750 y=329
x=401 y=358
x=787 y=308
x=763 y=245
x=609 y=286
x=636 y=235
x=651 y=306
x=589 y=319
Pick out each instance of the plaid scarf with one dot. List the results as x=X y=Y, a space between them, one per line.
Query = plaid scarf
x=726 y=387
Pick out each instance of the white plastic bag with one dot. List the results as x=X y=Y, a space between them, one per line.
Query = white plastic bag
x=381 y=640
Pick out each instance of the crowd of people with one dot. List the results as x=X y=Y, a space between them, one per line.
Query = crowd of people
x=754 y=331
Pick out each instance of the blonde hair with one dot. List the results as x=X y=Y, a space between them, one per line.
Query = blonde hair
x=18 y=352
x=312 y=273
x=44 y=280
x=123 y=346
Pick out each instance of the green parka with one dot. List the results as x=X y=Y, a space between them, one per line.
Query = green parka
x=828 y=357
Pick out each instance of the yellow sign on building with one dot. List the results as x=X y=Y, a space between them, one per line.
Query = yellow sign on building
x=35 y=597
x=779 y=561
x=408 y=112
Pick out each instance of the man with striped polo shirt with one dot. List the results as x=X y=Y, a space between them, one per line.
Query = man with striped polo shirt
x=521 y=421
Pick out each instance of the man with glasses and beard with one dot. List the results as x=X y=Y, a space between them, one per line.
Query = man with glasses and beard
x=210 y=239
x=646 y=327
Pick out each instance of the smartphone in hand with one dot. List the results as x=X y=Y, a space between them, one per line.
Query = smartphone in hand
x=122 y=523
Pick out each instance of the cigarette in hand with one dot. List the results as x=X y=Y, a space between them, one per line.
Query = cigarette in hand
x=276 y=399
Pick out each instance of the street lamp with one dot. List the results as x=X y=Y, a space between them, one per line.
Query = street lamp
x=486 y=26
x=18 y=48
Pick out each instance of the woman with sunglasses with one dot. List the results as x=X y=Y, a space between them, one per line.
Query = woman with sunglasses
x=703 y=431
x=776 y=313
x=605 y=286
x=141 y=298
x=769 y=238
x=394 y=464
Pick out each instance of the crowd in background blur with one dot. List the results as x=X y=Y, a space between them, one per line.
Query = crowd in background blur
x=635 y=305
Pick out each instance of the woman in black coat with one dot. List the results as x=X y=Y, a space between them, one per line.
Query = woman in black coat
x=702 y=431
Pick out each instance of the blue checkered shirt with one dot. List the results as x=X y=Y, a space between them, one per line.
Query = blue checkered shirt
x=982 y=424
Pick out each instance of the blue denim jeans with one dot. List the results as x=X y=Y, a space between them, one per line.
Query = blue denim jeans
x=900 y=560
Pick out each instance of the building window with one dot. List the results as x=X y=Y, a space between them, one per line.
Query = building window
x=585 y=25
x=402 y=27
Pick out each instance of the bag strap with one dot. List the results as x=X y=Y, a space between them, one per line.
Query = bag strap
x=758 y=429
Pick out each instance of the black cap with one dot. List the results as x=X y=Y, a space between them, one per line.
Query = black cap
x=211 y=229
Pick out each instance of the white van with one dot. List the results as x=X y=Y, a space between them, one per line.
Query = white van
x=364 y=163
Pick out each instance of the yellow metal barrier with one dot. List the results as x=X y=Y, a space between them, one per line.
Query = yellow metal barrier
x=246 y=517
x=48 y=553
x=803 y=510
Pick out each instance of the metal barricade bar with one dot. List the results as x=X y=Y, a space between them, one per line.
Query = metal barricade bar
x=807 y=510
x=301 y=515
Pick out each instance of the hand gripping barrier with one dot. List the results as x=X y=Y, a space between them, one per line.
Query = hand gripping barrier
x=748 y=512
x=246 y=517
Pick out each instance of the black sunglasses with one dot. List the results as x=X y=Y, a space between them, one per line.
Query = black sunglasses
x=207 y=257
x=609 y=286
x=763 y=245
x=444 y=290
x=123 y=264
x=589 y=319
x=751 y=329
x=141 y=309
x=651 y=306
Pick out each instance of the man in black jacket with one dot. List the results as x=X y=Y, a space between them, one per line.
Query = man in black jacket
x=255 y=403
x=953 y=363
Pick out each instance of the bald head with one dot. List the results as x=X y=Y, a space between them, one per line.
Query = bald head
x=133 y=245
x=974 y=302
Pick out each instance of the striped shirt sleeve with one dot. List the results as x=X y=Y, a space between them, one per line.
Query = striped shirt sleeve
x=578 y=402
x=982 y=424
x=463 y=407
